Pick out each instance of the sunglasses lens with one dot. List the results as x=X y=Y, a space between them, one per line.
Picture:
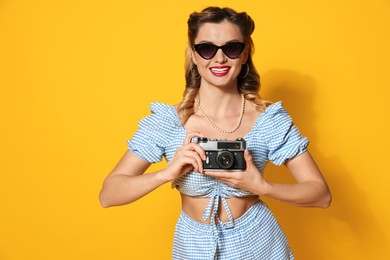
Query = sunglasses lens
x=233 y=50
x=206 y=51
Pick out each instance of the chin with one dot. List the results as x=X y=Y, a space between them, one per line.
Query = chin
x=223 y=82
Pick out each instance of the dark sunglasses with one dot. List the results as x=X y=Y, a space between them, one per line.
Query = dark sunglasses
x=208 y=50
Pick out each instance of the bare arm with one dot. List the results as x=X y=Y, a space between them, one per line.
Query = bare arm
x=127 y=181
x=310 y=189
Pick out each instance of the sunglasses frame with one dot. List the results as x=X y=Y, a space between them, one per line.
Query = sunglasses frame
x=196 y=48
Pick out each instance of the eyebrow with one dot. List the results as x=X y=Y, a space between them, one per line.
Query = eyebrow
x=231 y=41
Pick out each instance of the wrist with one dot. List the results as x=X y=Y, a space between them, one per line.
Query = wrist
x=265 y=188
x=163 y=177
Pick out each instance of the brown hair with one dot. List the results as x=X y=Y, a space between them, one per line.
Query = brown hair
x=248 y=85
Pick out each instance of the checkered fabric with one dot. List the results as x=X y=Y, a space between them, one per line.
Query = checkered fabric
x=274 y=138
x=255 y=235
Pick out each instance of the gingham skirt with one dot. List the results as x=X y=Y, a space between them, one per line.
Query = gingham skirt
x=256 y=235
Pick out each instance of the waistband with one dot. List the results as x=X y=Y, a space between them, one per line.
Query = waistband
x=229 y=226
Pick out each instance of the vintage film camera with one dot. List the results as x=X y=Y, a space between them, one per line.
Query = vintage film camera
x=223 y=155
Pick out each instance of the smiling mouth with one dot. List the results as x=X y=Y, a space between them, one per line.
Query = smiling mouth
x=220 y=72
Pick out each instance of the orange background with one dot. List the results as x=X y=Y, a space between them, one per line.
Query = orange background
x=77 y=76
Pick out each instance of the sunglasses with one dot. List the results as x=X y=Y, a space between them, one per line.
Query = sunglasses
x=208 y=50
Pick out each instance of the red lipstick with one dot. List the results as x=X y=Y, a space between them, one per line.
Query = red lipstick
x=220 y=71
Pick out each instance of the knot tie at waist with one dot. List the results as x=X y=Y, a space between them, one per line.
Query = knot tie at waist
x=211 y=212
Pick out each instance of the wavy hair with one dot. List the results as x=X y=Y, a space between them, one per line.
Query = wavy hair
x=249 y=85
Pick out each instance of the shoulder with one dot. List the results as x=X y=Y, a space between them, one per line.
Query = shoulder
x=157 y=127
x=163 y=110
x=271 y=121
x=274 y=115
x=274 y=109
x=162 y=115
x=284 y=140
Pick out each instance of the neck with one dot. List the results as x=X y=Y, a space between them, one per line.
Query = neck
x=214 y=125
x=220 y=102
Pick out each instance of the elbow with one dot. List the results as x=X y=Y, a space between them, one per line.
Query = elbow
x=106 y=195
x=104 y=201
x=326 y=200
x=109 y=199
x=104 y=204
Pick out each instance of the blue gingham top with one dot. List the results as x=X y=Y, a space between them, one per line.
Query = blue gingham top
x=274 y=138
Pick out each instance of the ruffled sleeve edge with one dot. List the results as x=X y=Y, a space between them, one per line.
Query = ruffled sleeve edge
x=150 y=139
x=299 y=148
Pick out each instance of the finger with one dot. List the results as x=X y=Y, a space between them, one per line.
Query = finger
x=199 y=162
x=247 y=156
x=196 y=147
x=229 y=181
x=192 y=135
x=188 y=158
x=194 y=159
x=219 y=175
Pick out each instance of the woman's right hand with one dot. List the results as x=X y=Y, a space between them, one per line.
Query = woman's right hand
x=188 y=156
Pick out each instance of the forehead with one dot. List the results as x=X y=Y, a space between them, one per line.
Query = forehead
x=219 y=33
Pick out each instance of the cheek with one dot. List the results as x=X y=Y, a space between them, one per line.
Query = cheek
x=202 y=64
x=237 y=71
x=202 y=70
x=244 y=56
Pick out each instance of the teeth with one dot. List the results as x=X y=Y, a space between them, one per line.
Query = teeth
x=219 y=70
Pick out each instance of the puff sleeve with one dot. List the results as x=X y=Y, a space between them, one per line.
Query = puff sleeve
x=285 y=140
x=149 y=141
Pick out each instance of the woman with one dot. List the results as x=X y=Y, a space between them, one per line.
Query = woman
x=222 y=216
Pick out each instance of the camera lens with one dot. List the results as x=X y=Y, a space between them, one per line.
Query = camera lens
x=225 y=159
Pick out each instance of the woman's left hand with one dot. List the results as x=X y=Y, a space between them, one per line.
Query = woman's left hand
x=250 y=180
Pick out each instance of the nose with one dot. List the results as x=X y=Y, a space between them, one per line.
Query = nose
x=220 y=57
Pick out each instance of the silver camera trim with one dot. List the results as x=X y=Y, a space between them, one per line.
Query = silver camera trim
x=211 y=145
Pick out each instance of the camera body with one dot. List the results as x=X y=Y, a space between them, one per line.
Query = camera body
x=223 y=155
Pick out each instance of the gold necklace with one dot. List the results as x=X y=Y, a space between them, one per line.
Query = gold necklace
x=217 y=127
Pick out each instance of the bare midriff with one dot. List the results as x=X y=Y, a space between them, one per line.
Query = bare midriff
x=195 y=207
